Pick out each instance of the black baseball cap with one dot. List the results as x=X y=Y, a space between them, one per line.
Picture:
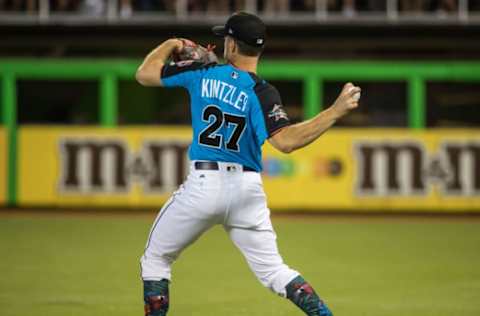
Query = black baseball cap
x=245 y=27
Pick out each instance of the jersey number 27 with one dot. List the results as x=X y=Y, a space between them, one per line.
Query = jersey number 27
x=209 y=135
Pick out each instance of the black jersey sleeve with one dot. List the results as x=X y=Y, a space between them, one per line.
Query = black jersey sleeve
x=272 y=108
x=182 y=73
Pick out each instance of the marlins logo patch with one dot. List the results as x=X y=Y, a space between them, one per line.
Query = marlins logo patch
x=278 y=113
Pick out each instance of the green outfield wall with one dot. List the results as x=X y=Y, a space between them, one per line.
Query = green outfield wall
x=312 y=74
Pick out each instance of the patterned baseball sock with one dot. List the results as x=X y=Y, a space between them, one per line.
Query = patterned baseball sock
x=155 y=295
x=303 y=295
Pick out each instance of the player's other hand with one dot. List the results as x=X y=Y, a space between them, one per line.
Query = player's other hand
x=347 y=100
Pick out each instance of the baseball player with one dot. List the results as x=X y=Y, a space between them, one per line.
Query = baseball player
x=233 y=112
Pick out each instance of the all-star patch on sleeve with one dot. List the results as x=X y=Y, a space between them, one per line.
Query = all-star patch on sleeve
x=182 y=73
x=273 y=112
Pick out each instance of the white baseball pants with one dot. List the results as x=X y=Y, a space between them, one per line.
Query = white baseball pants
x=230 y=197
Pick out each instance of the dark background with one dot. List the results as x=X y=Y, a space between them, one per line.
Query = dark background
x=436 y=38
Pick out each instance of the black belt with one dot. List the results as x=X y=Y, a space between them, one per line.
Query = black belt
x=213 y=165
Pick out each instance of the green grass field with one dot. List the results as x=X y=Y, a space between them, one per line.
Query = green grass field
x=73 y=264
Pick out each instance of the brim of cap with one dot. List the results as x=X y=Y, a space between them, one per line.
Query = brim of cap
x=219 y=30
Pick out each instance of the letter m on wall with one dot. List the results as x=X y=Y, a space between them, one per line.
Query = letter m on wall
x=89 y=165
x=390 y=168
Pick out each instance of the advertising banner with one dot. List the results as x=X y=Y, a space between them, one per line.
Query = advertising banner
x=379 y=170
x=3 y=165
x=127 y=167
x=356 y=169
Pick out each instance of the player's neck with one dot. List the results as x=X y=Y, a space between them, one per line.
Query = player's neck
x=245 y=63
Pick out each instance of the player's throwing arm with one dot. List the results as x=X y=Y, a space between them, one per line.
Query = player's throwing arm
x=299 y=135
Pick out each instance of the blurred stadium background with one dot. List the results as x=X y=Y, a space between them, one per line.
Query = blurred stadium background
x=79 y=138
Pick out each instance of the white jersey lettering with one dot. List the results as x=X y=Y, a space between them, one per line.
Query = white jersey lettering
x=224 y=92
x=205 y=90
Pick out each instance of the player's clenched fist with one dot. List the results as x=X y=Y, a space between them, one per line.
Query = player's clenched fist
x=347 y=100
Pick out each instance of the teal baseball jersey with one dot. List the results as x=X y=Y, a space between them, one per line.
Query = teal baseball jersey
x=233 y=111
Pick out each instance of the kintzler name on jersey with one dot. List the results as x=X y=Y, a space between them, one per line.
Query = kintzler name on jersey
x=217 y=89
